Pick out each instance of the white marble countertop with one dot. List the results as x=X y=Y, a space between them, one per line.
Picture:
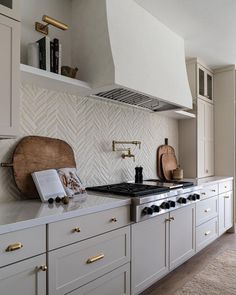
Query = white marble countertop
x=23 y=214
x=209 y=180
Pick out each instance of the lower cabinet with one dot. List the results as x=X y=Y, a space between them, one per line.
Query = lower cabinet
x=75 y=265
x=24 y=278
x=206 y=233
x=161 y=244
x=116 y=282
x=225 y=211
x=182 y=235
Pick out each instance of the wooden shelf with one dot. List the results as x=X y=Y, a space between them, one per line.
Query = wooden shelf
x=54 y=81
x=179 y=115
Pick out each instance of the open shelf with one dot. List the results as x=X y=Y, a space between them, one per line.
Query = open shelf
x=179 y=115
x=54 y=81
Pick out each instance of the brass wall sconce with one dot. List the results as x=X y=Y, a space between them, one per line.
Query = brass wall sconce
x=42 y=28
x=124 y=149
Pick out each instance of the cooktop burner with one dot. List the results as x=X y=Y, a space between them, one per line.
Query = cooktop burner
x=129 y=189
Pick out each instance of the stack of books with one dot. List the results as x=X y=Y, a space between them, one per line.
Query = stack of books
x=45 y=54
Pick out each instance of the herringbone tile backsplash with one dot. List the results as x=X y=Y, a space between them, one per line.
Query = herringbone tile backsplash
x=89 y=126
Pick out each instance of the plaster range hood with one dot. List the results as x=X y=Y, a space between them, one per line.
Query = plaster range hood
x=128 y=56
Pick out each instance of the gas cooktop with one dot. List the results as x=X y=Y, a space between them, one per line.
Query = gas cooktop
x=148 y=187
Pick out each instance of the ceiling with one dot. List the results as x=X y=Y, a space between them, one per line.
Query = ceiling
x=207 y=26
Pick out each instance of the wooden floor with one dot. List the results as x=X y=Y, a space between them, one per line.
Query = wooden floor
x=177 y=278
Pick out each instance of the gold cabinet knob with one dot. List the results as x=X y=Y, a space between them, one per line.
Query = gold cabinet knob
x=76 y=230
x=114 y=219
x=207 y=233
x=207 y=210
x=43 y=268
x=14 y=247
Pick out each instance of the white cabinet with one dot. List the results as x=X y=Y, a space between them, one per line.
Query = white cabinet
x=204 y=83
x=10 y=8
x=205 y=139
x=160 y=244
x=196 y=137
x=150 y=255
x=9 y=76
x=116 y=282
x=27 y=277
x=182 y=235
x=225 y=211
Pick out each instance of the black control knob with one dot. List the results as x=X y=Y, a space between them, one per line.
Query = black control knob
x=182 y=200
x=171 y=203
x=197 y=196
x=147 y=211
x=165 y=205
x=192 y=197
x=155 y=208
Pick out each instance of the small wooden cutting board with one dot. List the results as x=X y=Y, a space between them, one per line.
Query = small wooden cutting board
x=163 y=149
x=169 y=163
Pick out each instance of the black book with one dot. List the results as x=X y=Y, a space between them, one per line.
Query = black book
x=52 y=57
x=44 y=53
x=56 y=56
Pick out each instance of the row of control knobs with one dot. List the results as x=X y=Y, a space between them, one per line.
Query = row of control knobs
x=169 y=204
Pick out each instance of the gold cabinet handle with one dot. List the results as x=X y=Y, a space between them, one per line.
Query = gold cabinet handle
x=95 y=258
x=226 y=197
x=14 y=247
x=225 y=186
x=114 y=219
x=169 y=219
x=43 y=268
x=76 y=230
x=207 y=233
x=203 y=193
x=207 y=210
x=213 y=190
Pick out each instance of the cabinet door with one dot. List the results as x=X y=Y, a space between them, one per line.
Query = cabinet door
x=182 y=235
x=116 y=282
x=225 y=211
x=10 y=8
x=9 y=76
x=209 y=139
x=205 y=84
x=201 y=139
x=149 y=252
x=24 y=277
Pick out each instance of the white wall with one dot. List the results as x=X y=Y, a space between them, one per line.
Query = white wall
x=89 y=126
x=32 y=11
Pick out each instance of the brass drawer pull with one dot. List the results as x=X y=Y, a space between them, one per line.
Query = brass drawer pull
x=207 y=233
x=95 y=258
x=14 y=247
x=43 y=268
x=169 y=219
x=225 y=186
x=203 y=193
x=207 y=210
x=226 y=197
x=114 y=219
x=76 y=230
x=213 y=190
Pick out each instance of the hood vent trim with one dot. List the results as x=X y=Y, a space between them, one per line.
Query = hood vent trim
x=132 y=98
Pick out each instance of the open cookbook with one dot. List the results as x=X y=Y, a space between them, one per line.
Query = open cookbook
x=62 y=182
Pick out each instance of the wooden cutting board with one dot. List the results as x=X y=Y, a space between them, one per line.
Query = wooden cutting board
x=163 y=149
x=36 y=153
x=169 y=163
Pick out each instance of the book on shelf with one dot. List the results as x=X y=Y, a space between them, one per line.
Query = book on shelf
x=44 y=53
x=62 y=182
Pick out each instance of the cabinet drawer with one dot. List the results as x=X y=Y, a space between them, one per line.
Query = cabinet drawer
x=22 y=244
x=206 y=233
x=75 y=265
x=225 y=186
x=209 y=191
x=72 y=230
x=116 y=282
x=206 y=210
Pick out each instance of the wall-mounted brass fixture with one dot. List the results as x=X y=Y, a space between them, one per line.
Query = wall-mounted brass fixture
x=124 y=149
x=42 y=28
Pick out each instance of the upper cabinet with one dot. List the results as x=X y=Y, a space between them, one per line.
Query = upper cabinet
x=9 y=76
x=200 y=80
x=10 y=8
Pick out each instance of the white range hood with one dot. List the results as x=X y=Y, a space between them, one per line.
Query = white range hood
x=127 y=55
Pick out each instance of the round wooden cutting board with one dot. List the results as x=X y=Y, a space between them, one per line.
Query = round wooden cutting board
x=36 y=153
